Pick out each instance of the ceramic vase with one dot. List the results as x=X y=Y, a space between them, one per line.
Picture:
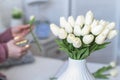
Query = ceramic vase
x=76 y=70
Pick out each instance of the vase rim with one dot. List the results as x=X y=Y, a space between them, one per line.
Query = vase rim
x=77 y=60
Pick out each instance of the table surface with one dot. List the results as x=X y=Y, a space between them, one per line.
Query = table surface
x=43 y=69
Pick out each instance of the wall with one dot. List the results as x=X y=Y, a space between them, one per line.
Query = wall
x=5 y=9
x=51 y=10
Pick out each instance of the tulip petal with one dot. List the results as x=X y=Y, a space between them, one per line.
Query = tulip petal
x=55 y=29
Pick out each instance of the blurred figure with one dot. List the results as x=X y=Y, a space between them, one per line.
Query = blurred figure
x=8 y=40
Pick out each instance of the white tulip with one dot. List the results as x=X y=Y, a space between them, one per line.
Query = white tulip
x=113 y=64
x=88 y=18
x=55 y=29
x=114 y=72
x=105 y=32
x=77 y=30
x=68 y=28
x=66 y=25
x=77 y=42
x=70 y=38
x=80 y=21
x=103 y=23
x=71 y=21
x=97 y=30
x=63 y=22
x=94 y=23
x=85 y=30
x=32 y=18
x=100 y=39
x=87 y=39
x=112 y=34
x=111 y=26
x=62 y=34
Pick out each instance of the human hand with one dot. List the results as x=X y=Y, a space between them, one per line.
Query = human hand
x=15 y=51
x=21 y=31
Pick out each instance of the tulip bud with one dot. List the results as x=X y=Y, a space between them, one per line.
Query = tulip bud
x=112 y=34
x=103 y=23
x=71 y=21
x=68 y=28
x=70 y=38
x=63 y=22
x=114 y=72
x=77 y=42
x=87 y=39
x=32 y=20
x=97 y=30
x=111 y=26
x=88 y=18
x=94 y=23
x=62 y=34
x=105 y=32
x=80 y=21
x=77 y=30
x=55 y=29
x=85 y=30
x=113 y=64
x=100 y=39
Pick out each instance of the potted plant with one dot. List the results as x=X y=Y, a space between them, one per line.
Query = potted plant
x=16 y=17
x=79 y=39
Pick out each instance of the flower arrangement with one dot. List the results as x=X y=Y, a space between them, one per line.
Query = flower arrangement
x=80 y=37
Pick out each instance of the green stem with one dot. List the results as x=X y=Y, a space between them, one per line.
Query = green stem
x=35 y=38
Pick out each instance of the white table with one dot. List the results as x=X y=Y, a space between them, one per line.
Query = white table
x=43 y=69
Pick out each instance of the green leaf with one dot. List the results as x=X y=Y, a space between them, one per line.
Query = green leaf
x=85 y=54
x=100 y=76
x=100 y=72
x=103 y=69
x=65 y=50
x=60 y=43
x=80 y=52
x=93 y=47
x=53 y=78
x=102 y=45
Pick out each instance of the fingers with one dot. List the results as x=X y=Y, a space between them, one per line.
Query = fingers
x=23 y=50
x=23 y=42
x=18 y=39
x=25 y=32
x=25 y=26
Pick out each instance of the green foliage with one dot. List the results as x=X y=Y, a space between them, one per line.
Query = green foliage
x=100 y=72
x=79 y=53
x=53 y=78
x=17 y=13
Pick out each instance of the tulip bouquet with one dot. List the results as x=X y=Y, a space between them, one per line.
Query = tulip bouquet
x=80 y=37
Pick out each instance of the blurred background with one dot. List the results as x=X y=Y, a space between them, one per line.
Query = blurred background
x=49 y=11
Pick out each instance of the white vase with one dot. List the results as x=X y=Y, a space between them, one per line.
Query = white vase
x=76 y=70
x=16 y=22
